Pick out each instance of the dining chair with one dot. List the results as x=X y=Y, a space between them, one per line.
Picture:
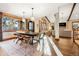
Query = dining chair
x=40 y=46
x=36 y=39
x=26 y=38
x=22 y=38
x=19 y=38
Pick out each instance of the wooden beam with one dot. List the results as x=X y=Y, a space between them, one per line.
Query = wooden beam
x=12 y=16
x=71 y=11
x=47 y=19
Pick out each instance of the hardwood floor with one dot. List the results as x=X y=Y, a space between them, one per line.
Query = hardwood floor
x=67 y=47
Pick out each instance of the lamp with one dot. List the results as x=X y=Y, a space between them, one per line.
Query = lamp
x=32 y=17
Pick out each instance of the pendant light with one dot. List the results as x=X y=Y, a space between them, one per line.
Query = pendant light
x=32 y=17
x=23 y=18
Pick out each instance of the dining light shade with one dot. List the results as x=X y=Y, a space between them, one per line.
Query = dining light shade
x=23 y=19
x=32 y=18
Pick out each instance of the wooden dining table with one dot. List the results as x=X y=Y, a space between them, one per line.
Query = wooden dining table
x=29 y=33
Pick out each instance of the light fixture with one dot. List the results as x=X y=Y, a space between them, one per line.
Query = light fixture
x=23 y=18
x=32 y=17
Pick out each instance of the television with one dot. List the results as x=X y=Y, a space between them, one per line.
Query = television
x=62 y=24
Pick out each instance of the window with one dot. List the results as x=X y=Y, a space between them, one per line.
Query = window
x=9 y=24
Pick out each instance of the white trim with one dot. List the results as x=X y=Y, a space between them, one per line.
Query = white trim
x=55 y=48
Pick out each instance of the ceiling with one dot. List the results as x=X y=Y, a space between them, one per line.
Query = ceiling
x=40 y=9
x=75 y=14
x=65 y=12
